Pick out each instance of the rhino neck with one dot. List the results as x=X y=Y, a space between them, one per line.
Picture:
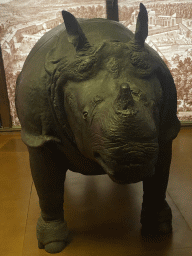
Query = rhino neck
x=56 y=101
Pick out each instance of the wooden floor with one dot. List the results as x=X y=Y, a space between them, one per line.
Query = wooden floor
x=103 y=217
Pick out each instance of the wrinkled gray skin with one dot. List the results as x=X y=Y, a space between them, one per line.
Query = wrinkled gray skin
x=94 y=98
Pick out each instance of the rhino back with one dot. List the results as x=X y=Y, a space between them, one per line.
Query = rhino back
x=96 y=31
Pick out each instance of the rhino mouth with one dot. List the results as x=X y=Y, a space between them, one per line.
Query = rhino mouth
x=127 y=172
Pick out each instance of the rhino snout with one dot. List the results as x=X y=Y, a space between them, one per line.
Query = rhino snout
x=128 y=165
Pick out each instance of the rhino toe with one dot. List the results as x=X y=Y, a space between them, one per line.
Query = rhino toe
x=55 y=247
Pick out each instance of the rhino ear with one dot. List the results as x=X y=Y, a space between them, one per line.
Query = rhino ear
x=75 y=33
x=141 y=32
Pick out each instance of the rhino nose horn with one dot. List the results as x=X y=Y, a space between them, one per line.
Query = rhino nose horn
x=124 y=99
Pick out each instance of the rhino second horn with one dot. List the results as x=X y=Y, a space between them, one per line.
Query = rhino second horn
x=124 y=99
x=75 y=33
x=141 y=32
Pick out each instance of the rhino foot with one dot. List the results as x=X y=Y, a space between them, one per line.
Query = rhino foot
x=52 y=235
x=156 y=220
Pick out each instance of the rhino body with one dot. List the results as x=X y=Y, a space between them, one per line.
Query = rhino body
x=94 y=98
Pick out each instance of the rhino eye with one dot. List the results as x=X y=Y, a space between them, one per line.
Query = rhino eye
x=85 y=114
x=97 y=99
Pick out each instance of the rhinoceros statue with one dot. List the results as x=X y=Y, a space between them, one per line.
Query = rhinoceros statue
x=94 y=98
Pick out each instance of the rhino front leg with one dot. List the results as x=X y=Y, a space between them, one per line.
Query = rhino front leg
x=156 y=215
x=48 y=168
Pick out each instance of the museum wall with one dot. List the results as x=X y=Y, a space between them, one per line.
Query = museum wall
x=23 y=22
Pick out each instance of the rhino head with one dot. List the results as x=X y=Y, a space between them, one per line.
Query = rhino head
x=112 y=100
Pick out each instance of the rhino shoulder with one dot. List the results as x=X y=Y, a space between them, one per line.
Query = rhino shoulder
x=169 y=125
